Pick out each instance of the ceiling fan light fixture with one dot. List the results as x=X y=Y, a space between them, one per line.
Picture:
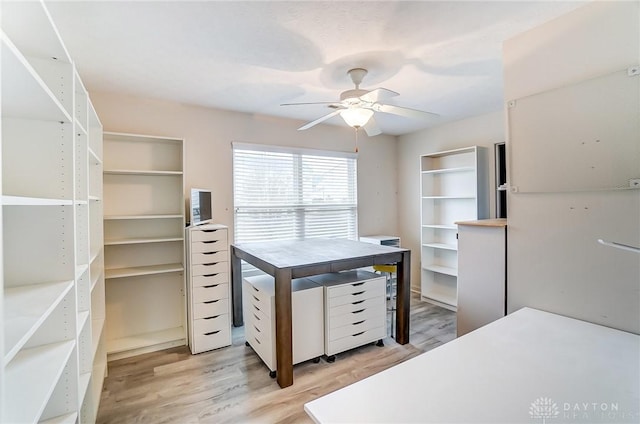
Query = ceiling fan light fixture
x=356 y=117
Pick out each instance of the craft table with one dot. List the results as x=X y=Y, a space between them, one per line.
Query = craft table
x=528 y=367
x=286 y=260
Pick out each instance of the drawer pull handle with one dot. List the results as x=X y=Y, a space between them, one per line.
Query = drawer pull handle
x=357 y=303
x=213 y=317
x=358 y=334
x=258 y=341
x=211 y=301
x=208 y=231
x=210 y=264
x=211 y=333
x=257 y=317
x=357 y=284
x=210 y=275
x=357 y=312
x=257 y=329
x=257 y=309
x=257 y=300
x=357 y=294
x=255 y=288
x=212 y=285
x=209 y=253
x=210 y=241
x=359 y=322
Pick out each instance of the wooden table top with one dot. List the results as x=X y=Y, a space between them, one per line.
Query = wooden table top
x=297 y=253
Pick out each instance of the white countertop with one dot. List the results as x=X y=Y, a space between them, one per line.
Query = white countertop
x=503 y=372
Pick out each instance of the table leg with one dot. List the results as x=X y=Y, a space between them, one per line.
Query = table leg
x=403 y=298
x=284 y=333
x=236 y=288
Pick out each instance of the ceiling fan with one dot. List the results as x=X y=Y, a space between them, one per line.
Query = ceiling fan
x=357 y=106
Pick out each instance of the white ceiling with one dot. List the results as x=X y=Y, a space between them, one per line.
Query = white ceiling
x=442 y=57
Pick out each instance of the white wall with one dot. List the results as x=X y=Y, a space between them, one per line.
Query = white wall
x=208 y=134
x=484 y=130
x=554 y=260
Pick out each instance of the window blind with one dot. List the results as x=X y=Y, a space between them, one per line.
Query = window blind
x=286 y=193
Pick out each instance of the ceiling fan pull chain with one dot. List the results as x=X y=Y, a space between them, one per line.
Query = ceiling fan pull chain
x=356 y=128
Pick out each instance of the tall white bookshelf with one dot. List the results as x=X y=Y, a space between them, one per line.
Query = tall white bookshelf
x=144 y=243
x=96 y=267
x=53 y=363
x=454 y=187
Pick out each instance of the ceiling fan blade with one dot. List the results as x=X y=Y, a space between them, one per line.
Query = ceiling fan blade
x=371 y=127
x=405 y=111
x=378 y=94
x=312 y=103
x=317 y=121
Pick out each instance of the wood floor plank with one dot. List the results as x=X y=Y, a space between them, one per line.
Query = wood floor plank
x=232 y=385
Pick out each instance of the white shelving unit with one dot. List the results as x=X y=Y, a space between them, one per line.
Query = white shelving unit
x=96 y=347
x=454 y=187
x=143 y=243
x=51 y=228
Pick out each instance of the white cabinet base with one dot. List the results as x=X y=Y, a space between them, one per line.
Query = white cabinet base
x=482 y=273
x=258 y=297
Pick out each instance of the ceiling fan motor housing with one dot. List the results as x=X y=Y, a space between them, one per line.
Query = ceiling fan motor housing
x=352 y=96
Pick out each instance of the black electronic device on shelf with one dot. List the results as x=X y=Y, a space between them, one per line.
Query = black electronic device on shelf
x=201 y=206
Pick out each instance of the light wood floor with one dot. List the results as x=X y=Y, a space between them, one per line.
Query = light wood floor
x=232 y=385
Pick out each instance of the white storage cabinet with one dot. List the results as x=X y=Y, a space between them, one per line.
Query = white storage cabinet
x=355 y=310
x=208 y=287
x=144 y=243
x=482 y=279
x=52 y=295
x=259 y=313
x=454 y=187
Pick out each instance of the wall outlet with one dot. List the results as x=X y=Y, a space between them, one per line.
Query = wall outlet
x=634 y=183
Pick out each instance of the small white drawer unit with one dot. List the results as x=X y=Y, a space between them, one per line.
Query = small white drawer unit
x=208 y=287
x=355 y=309
x=259 y=313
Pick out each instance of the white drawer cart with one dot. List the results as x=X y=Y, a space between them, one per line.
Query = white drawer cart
x=355 y=310
x=258 y=298
x=208 y=288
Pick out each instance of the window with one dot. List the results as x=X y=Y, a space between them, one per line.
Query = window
x=285 y=193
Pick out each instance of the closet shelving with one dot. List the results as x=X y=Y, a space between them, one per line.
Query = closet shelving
x=144 y=243
x=47 y=294
x=96 y=347
x=453 y=188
